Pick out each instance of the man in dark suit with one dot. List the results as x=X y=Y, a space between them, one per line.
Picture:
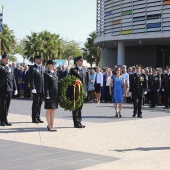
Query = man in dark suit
x=27 y=90
x=154 y=85
x=138 y=88
x=166 y=88
x=62 y=73
x=36 y=80
x=7 y=86
x=80 y=73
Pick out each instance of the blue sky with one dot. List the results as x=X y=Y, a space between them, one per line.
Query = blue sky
x=72 y=19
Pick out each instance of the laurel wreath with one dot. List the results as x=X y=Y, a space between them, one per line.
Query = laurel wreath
x=71 y=93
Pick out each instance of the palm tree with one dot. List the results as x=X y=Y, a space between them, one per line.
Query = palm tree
x=91 y=49
x=44 y=43
x=8 y=42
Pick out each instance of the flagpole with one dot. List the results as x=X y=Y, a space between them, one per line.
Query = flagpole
x=1 y=32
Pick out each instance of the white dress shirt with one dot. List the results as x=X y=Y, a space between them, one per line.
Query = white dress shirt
x=99 y=78
x=126 y=77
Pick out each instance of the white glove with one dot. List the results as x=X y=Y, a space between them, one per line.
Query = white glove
x=148 y=90
x=158 y=90
x=145 y=92
x=162 y=89
x=130 y=93
x=33 y=91
x=16 y=92
x=47 y=97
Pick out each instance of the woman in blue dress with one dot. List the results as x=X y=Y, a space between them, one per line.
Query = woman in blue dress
x=91 y=85
x=117 y=89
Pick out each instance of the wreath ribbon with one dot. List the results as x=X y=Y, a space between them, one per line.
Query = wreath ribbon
x=76 y=84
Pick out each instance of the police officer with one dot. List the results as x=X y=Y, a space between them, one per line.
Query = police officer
x=154 y=85
x=80 y=73
x=166 y=88
x=51 y=94
x=36 y=79
x=138 y=87
x=7 y=85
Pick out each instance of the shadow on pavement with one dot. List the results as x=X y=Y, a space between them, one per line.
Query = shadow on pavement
x=142 y=149
x=21 y=130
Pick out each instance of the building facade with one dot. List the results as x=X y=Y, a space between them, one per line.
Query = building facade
x=133 y=32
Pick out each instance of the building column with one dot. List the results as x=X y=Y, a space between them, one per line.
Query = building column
x=121 y=53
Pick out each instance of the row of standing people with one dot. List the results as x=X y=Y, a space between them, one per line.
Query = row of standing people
x=42 y=82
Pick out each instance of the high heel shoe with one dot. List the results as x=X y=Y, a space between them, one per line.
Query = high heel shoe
x=50 y=129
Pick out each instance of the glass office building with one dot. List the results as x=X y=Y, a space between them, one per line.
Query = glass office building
x=133 y=32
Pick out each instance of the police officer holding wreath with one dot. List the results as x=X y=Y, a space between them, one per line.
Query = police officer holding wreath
x=7 y=86
x=36 y=80
x=80 y=73
x=138 y=88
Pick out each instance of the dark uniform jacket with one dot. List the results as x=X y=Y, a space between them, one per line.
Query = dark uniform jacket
x=36 y=78
x=7 y=79
x=154 y=82
x=138 y=84
x=166 y=82
x=82 y=75
x=50 y=84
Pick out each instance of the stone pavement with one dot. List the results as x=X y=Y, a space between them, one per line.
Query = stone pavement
x=107 y=143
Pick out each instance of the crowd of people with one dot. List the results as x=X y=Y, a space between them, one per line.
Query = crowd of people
x=116 y=85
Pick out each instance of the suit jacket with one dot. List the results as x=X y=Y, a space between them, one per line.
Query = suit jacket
x=7 y=79
x=154 y=82
x=51 y=84
x=36 y=78
x=138 y=84
x=166 y=82
x=62 y=74
x=82 y=75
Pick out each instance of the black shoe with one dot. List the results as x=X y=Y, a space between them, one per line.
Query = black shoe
x=79 y=126
x=166 y=107
x=134 y=115
x=152 y=107
x=7 y=124
x=35 y=121
x=140 y=116
x=2 y=124
x=40 y=121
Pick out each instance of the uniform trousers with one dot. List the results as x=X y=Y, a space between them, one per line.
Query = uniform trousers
x=36 y=105
x=167 y=98
x=77 y=116
x=5 y=99
x=137 y=104
x=154 y=98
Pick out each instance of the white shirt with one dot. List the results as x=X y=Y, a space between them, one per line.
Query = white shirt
x=99 y=78
x=108 y=81
x=126 y=77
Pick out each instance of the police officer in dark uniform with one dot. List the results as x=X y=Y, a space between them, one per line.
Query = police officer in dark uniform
x=166 y=88
x=7 y=86
x=36 y=80
x=51 y=94
x=138 y=87
x=80 y=73
x=154 y=85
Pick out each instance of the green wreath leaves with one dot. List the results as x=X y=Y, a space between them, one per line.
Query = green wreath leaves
x=71 y=93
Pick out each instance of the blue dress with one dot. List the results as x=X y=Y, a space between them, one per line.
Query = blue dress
x=91 y=84
x=117 y=89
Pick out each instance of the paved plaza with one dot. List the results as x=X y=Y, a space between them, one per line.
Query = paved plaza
x=107 y=142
